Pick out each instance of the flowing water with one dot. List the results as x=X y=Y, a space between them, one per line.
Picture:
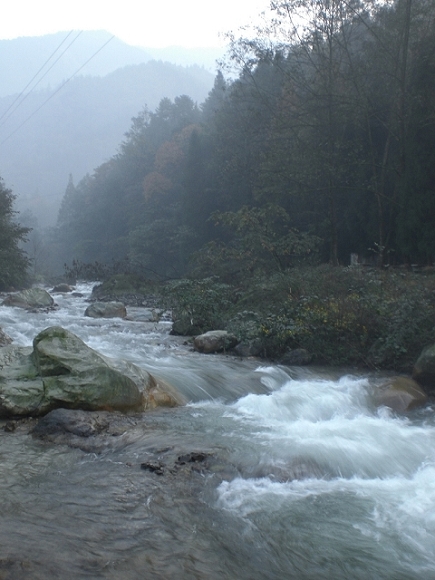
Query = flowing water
x=304 y=477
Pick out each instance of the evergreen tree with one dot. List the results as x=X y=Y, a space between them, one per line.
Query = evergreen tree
x=13 y=260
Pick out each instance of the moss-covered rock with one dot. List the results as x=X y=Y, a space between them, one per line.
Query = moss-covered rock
x=62 y=371
x=30 y=298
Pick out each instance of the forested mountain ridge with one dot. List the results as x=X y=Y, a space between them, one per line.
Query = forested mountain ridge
x=54 y=133
x=323 y=146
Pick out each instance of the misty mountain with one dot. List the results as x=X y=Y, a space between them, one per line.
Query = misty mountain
x=63 y=53
x=55 y=132
x=206 y=57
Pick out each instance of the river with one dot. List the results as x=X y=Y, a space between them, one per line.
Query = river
x=269 y=472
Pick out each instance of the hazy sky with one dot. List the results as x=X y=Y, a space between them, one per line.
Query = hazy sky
x=153 y=23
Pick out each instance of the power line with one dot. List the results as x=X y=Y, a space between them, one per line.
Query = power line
x=56 y=91
x=35 y=75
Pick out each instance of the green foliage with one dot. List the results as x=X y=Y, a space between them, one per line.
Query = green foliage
x=261 y=241
x=13 y=260
x=322 y=145
x=126 y=285
x=94 y=271
x=342 y=316
x=201 y=305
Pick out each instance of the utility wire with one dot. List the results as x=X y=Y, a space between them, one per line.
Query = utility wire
x=56 y=91
x=35 y=75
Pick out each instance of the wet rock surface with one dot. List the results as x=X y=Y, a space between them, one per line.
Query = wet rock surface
x=31 y=299
x=62 y=371
x=214 y=341
x=401 y=394
x=106 y=310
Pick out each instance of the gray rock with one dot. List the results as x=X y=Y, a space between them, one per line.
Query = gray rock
x=62 y=371
x=248 y=348
x=106 y=310
x=62 y=288
x=296 y=357
x=424 y=370
x=71 y=422
x=401 y=394
x=31 y=298
x=4 y=338
x=214 y=341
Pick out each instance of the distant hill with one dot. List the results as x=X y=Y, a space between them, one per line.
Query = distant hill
x=206 y=57
x=73 y=130
x=21 y=58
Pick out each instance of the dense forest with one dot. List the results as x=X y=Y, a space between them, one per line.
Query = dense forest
x=323 y=145
x=316 y=143
x=45 y=134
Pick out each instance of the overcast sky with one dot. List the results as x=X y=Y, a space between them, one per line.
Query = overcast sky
x=152 y=23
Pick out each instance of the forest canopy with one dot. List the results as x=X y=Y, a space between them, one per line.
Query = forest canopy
x=321 y=143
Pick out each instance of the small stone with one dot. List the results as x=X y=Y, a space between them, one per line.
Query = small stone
x=154 y=467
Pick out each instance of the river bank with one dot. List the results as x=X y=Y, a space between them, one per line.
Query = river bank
x=358 y=317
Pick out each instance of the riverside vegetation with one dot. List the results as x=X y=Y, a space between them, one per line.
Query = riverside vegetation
x=357 y=316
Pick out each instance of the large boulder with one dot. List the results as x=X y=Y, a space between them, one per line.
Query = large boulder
x=424 y=370
x=214 y=341
x=106 y=310
x=29 y=299
x=62 y=371
x=401 y=394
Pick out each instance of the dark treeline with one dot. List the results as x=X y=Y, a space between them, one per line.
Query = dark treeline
x=322 y=146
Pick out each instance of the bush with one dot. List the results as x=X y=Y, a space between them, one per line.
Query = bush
x=198 y=305
x=343 y=316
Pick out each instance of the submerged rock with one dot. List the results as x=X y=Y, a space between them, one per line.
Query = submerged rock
x=401 y=394
x=71 y=422
x=62 y=371
x=214 y=341
x=29 y=299
x=106 y=310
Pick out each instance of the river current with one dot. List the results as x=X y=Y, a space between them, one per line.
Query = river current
x=305 y=477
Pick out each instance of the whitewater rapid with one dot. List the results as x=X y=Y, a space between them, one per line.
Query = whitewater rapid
x=312 y=479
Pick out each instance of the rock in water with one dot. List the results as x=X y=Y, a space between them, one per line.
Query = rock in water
x=62 y=288
x=31 y=298
x=401 y=394
x=214 y=341
x=62 y=371
x=106 y=310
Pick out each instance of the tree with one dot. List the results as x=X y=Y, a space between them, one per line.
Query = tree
x=13 y=260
